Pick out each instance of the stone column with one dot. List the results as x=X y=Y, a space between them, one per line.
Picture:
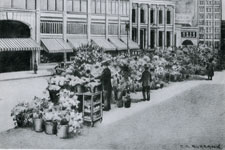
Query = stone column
x=149 y=27
x=173 y=30
x=157 y=25
x=138 y=23
x=130 y=18
x=65 y=26
x=119 y=22
x=89 y=20
x=106 y=20
x=36 y=54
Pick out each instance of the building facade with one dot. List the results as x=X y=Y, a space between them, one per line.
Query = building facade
x=209 y=22
x=60 y=26
x=153 y=23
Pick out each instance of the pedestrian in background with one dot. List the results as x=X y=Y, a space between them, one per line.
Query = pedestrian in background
x=210 y=69
x=146 y=80
x=35 y=67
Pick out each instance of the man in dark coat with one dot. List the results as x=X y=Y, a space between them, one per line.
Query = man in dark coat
x=35 y=67
x=146 y=81
x=107 y=86
x=210 y=69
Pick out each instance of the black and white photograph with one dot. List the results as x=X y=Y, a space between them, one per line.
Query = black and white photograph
x=112 y=74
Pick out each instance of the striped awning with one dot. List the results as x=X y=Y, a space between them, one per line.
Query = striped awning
x=118 y=43
x=56 y=45
x=78 y=42
x=18 y=44
x=132 y=44
x=104 y=43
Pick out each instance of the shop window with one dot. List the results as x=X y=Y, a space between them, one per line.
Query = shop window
x=51 y=27
x=160 y=16
x=142 y=16
x=160 y=38
x=168 y=37
x=123 y=29
x=98 y=6
x=168 y=17
x=152 y=16
x=116 y=6
x=98 y=29
x=113 y=29
x=19 y=4
x=133 y=15
x=128 y=7
x=76 y=28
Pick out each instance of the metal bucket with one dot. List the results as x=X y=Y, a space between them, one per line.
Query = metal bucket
x=62 y=131
x=50 y=127
x=38 y=125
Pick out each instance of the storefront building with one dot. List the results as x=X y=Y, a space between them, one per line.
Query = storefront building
x=153 y=23
x=60 y=26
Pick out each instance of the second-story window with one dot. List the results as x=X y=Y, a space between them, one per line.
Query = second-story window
x=133 y=15
x=142 y=16
x=160 y=16
x=168 y=17
x=152 y=16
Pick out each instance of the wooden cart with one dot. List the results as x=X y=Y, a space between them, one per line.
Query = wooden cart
x=92 y=107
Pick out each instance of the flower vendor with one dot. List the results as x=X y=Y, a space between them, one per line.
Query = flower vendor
x=107 y=86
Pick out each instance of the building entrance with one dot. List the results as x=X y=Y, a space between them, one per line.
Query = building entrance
x=12 y=56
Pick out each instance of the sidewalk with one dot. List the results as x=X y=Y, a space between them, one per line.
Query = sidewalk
x=44 y=70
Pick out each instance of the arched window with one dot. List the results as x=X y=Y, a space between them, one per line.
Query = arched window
x=160 y=16
x=133 y=15
x=152 y=16
x=142 y=16
x=168 y=16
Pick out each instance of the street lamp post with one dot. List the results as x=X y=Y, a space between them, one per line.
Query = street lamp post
x=127 y=29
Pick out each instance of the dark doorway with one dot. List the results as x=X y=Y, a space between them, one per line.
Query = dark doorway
x=187 y=42
x=152 y=39
x=142 y=39
x=14 y=60
x=168 y=37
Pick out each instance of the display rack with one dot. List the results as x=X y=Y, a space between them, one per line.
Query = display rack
x=92 y=107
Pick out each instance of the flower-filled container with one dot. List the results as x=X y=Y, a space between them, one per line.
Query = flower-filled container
x=50 y=127
x=63 y=129
x=38 y=124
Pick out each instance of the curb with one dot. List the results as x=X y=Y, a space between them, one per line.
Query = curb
x=23 y=78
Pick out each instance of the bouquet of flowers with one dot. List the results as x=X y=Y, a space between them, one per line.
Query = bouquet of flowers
x=22 y=115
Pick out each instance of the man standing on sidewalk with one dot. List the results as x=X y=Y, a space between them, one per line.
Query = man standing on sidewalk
x=35 y=67
x=107 y=86
x=146 y=81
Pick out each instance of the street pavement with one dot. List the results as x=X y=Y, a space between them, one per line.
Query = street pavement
x=185 y=115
